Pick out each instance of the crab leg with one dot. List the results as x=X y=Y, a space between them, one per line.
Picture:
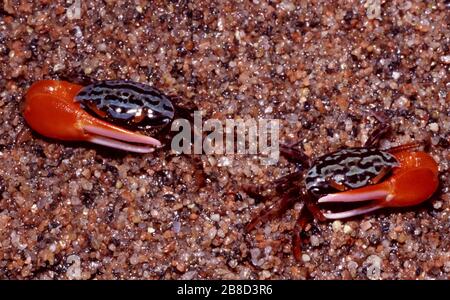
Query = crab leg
x=380 y=130
x=276 y=209
x=303 y=219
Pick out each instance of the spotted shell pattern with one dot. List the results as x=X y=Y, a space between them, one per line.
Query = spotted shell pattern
x=126 y=102
x=351 y=167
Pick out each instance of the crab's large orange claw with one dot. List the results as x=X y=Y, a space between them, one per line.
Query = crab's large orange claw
x=413 y=182
x=50 y=110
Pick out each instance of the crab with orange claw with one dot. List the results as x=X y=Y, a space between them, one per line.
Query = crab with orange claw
x=397 y=177
x=105 y=112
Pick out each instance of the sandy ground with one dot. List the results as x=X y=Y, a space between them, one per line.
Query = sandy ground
x=72 y=210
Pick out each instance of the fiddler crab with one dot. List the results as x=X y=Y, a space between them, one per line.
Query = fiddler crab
x=396 y=177
x=105 y=112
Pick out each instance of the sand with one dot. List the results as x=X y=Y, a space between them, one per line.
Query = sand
x=77 y=211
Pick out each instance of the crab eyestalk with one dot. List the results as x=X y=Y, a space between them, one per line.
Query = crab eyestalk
x=50 y=110
x=413 y=182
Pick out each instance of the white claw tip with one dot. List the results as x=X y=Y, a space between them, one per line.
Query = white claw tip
x=327 y=198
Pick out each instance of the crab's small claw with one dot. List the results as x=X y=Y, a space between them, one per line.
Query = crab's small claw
x=413 y=182
x=50 y=109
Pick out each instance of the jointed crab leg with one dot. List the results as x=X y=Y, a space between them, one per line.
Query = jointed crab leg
x=404 y=147
x=294 y=155
x=380 y=130
x=308 y=212
x=275 y=210
x=303 y=219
